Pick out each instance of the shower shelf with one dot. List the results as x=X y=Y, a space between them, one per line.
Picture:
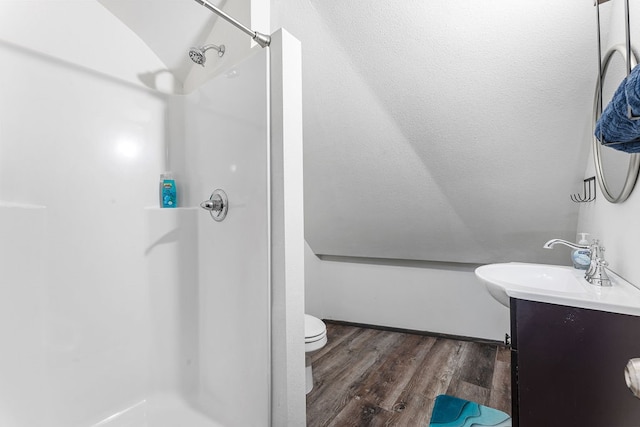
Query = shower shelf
x=4 y=204
x=184 y=208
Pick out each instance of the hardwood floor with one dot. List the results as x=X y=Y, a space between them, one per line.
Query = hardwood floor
x=369 y=377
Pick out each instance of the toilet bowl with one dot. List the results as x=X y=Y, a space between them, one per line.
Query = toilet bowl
x=315 y=337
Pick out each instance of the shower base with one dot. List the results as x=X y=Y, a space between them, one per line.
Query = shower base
x=165 y=410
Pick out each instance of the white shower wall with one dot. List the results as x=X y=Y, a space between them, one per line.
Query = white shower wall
x=115 y=312
x=79 y=154
x=226 y=146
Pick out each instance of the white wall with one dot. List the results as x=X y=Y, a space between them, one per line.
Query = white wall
x=22 y=319
x=170 y=28
x=438 y=131
x=287 y=232
x=81 y=146
x=226 y=123
x=443 y=131
x=616 y=225
x=332 y=286
x=423 y=296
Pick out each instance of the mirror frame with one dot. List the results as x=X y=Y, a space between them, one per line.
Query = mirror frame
x=634 y=159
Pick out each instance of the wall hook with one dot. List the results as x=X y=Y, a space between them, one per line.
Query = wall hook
x=588 y=191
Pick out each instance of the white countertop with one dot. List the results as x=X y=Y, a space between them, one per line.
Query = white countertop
x=622 y=297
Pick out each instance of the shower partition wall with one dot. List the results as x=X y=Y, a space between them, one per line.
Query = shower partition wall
x=227 y=141
x=211 y=291
x=114 y=312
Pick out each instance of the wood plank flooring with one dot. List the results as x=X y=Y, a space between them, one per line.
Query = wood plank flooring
x=370 y=377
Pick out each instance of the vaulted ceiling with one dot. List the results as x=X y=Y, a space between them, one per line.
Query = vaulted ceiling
x=444 y=130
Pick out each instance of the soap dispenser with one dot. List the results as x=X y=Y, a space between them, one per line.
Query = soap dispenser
x=581 y=258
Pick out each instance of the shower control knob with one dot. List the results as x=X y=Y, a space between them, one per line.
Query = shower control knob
x=212 y=205
x=217 y=205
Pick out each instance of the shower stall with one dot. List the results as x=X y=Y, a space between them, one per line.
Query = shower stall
x=115 y=312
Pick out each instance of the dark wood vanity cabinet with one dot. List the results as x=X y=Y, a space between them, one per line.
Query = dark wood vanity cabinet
x=568 y=366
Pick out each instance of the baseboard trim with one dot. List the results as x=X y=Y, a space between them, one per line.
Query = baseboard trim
x=416 y=332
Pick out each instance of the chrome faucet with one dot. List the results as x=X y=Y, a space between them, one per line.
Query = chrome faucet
x=551 y=243
x=596 y=274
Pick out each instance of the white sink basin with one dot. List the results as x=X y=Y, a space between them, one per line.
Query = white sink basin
x=559 y=285
x=500 y=277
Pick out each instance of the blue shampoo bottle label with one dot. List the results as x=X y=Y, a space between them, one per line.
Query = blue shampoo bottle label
x=168 y=192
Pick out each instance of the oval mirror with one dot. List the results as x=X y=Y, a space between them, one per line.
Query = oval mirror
x=617 y=171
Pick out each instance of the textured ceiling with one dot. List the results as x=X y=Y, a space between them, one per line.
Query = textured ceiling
x=444 y=130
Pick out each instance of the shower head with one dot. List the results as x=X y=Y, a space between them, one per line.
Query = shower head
x=197 y=53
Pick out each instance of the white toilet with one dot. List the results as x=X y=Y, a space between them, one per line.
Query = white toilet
x=315 y=337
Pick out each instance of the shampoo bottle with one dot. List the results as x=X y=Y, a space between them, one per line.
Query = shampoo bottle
x=168 y=192
x=581 y=258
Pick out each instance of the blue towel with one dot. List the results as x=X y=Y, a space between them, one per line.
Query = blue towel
x=614 y=125
x=449 y=411
x=632 y=90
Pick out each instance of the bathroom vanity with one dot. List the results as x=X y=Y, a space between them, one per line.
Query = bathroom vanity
x=568 y=366
x=571 y=342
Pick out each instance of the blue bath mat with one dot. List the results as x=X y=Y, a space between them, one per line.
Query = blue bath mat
x=449 y=411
